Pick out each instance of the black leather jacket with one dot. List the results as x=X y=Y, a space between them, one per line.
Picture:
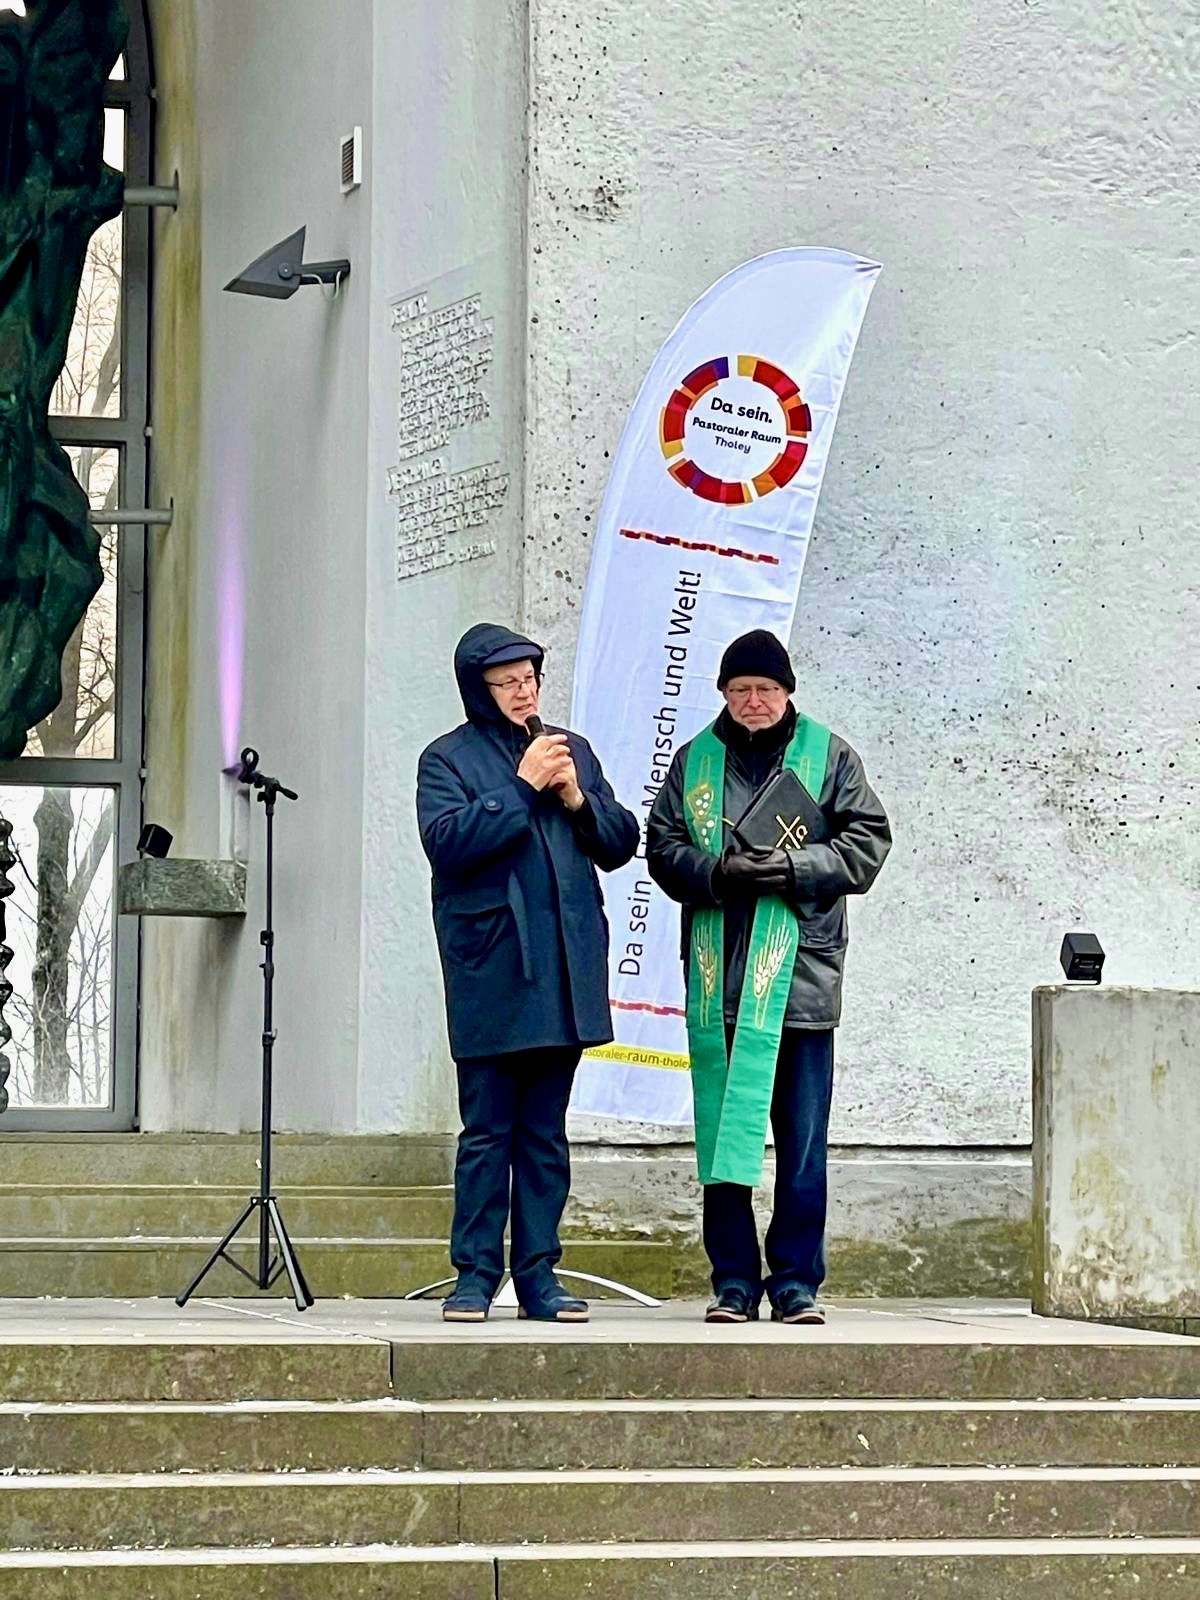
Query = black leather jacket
x=859 y=840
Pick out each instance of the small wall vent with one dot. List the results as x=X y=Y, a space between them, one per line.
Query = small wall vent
x=351 y=160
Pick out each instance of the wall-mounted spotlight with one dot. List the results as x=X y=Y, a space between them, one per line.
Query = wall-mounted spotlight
x=1081 y=958
x=154 y=840
x=279 y=272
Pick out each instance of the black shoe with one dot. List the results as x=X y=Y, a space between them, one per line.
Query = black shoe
x=732 y=1305
x=466 y=1303
x=553 y=1305
x=795 y=1304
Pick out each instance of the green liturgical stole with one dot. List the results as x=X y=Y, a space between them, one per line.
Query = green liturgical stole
x=732 y=1089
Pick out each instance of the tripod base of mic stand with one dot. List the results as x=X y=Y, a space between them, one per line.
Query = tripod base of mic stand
x=270 y=1267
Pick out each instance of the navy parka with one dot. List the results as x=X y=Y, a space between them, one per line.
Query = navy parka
x=517 y=908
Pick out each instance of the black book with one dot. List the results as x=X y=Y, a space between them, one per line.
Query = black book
x=782 y=816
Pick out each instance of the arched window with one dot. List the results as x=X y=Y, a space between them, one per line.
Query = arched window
x=74 y=798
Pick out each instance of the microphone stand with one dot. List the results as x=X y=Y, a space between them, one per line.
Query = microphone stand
x=270 y=1219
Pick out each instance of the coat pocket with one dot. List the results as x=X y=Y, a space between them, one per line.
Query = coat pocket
x=824 y=928
x=473 y=923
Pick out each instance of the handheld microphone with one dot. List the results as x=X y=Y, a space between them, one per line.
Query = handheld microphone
x=534 y=727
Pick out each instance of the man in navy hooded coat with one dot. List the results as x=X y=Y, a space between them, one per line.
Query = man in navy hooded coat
x=515 y=828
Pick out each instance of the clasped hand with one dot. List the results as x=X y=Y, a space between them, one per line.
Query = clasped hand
x=547 y=764
x=757 y=871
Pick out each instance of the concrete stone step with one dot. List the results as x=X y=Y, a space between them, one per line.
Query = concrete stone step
x=265 y=1350
x=396 y=1435
x=611 y=1434
x=259 y=1436
x=101 y=1211
x=362 y=1268
x=1066 y=1569
x=604 y=1436
x=113 y=1369
x=374 y=1573
x=866 y=1570
x=767 y=1363
x=392 y=1160
x=194 y=1510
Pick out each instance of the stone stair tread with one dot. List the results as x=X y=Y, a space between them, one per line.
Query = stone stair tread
x=852 y=1324
x=728 y=1550
x=248 y=1241
x=839 y=1406
x=242 y=1555
x=581 y=1408
x=222 y=1408
x=883 y=1570
x=341 y=1478
x=141 y=1190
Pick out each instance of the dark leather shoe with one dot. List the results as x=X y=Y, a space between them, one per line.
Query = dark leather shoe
x=796 y=1305
x=555 y=1306
x=732 y=1305
x=466 y=1303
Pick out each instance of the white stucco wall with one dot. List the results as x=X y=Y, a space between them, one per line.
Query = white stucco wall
x=1001 y=604
x=448 y=196
x=342 y=672
x=282 y=622
x=270 y=603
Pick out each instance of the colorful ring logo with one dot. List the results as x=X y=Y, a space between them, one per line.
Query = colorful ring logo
x=724 y=491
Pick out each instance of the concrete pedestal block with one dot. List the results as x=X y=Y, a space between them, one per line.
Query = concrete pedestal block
x=1116 y=1155
x=182 y=888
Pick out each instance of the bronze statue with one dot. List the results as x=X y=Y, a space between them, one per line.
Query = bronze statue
x=55 y=191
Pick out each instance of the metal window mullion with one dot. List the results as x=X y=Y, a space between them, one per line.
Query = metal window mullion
x=68 y=772
x=135 y=405
x=101 y=433
x=126 y=937
x=131 y=585
x=63 y=1119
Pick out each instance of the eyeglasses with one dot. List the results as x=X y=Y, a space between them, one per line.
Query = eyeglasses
x=764 y=691
x=511 y=685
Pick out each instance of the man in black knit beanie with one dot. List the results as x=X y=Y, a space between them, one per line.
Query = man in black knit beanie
x=764 y=942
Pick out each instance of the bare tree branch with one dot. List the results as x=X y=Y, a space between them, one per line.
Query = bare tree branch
x=94 y=716
x=97 y=847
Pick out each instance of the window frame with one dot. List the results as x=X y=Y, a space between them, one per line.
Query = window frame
x=124 y=773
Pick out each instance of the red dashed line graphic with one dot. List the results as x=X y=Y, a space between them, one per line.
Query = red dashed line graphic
x=642 y=1005
x=689 y=544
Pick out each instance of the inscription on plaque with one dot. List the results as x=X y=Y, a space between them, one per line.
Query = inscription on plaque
x=447 y=485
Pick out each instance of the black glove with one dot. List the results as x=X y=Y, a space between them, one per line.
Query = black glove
x=756 y=872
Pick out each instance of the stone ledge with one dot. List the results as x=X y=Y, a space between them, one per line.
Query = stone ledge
x=182 y=888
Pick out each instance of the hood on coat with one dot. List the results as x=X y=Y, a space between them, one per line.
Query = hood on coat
x=475 y=649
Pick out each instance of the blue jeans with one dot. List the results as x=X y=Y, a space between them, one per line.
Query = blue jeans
x=514 y=1111
x=796 y=1237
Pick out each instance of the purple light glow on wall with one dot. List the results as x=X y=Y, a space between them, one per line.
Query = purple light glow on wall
x=231 y=631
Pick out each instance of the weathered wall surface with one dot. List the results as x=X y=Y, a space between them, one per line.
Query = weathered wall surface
x=1116 y=1200
x=1003 y=595
x=278 y=616
x=257 y=590
x=1001 y=601
x=448 y=217
x=900 y=1222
